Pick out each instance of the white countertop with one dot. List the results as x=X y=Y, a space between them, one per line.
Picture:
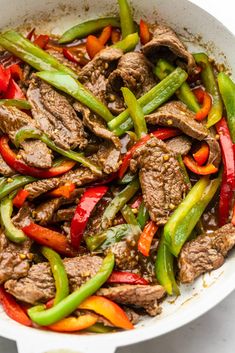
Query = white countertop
x=214 y=331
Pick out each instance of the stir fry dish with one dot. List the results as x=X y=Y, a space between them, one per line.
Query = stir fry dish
x=117 y=165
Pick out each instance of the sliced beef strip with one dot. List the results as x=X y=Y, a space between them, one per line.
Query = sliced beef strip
x=5 y=170
x=55 y=115
x=96 y=124
x=138 y=295
x=176 y=114
x=179 y=145
x=23 y=216
x=94 y=75
x=126 y=257
x=133 y=71
x=161 y=179
x=11 y=120
x=205 y=253
x=14 y=262
x=64 y=214
x=109 y=157
x=166 y=40
x=39 y=286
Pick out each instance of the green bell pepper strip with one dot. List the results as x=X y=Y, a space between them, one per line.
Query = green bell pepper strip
x=18 y=103
x=227 y=91
x=43 y=317
x=12 y=233
x=33 y=133
x=104 y=240
x=59 y=274
x=127 y=23
x=85 y=28
x=118 y=202
x=14 y=184
x=183 y=220
x=74 y=88
x=100 y=328
x=164 y=269
x=127 y=44
x=129 y=216
x=184 y=93
x=209 y=81
x=128 y=177
x=3 y=181
x=143 y=215
x=135 y=112
x=38 y=58
x=151 y=100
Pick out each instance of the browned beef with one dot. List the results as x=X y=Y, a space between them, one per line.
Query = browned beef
x=14 y=262
x=179 y=145
x=96 y=124
x=24 y=216
x=55 y=115
x=11 y=120
x=132 y=315
x=38 y=285
x=165 y=40
x=39 y=187
x=64 y=214
x=109 y=157
x=138 y=295
x=205 y=253
x=94 y=75
x=5 y=169
x=176 y=114
x=161 y=180
x=126 y=257
x=133 y=71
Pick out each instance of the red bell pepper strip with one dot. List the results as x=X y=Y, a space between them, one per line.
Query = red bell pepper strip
x=5 y=75
x=31 y=34
x=161 y=134
x=11 y=159
x=146 y=237
x=145 y=35
x=233 y=217
x=20 y=198
x=201 y=156
x=14 y=91
x=108 y=309
x=192 y=165
x=73 y=324
x=16 y=72
x=75 y=55
x=205 y=99
x=227 y=151
x=50 y=238
x=105 y=35
x=62 y=191
x=93 y=46
x=225 y=199
x=116 y=35
x=127 y=278
x=13 y=309
x=83 y=211
x=42 y=40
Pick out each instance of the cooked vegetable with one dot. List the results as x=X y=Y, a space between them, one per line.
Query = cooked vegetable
x=100 y=328
x=20 y=198
x=183 y=220
x=59 y=274
x=115 y=36
x=192 y=165
x=12 y=233
x=127 y=23
x=5 y=75
x=225 y=200
x=127 y=44
x=127 y=278
x=227 y=91
x=135 y=112
x=18 y=103
x=128 y=215
x=31 y=53
x=29 y=133
x=49 y=238
x=64 y=191
x=164 y=269
x=184 y=93
x=118 y=202
x=44 y=317
x=14 y=91
x=146 y=237
x=201 y=156
x=83 y=211
x=205 y=99
x=13 y=309
x=210 y=84
x=41 y=41
x=73 y=324
x=150 y=100
x=10 y=185
x=11 y=159
x=84 y=29
x=143 y=215
x=105 y=35
x=145 y=35
x=93 y=46
x=109 y=310
x=75 y=89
